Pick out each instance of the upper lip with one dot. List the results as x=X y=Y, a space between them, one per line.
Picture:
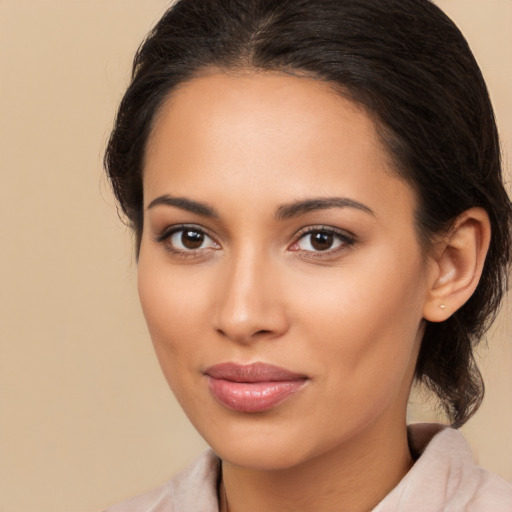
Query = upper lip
x=254 y=372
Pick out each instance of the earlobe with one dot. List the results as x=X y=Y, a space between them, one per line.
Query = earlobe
x=458 y=264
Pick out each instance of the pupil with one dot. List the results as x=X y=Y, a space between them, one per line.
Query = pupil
x=322 y=241
x=192 y=239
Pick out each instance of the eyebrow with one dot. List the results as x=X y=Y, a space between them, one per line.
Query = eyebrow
x=285 y=211
x=297 y=208
x=185 y=204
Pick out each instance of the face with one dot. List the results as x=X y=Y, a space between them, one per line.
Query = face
x=280 y=272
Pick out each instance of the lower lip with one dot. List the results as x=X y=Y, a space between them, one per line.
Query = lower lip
x=253 y=396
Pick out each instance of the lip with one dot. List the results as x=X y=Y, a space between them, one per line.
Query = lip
x=255 y=387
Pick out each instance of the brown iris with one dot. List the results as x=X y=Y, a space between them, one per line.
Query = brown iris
x=321 y=241
x=192 y=239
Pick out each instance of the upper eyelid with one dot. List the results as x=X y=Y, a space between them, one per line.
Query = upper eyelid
x=331 y=229
x=164 y=236
x=170 y=230
x=347 y=241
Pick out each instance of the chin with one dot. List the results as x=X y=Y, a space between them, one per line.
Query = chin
x=260 y=456
x=256 y=444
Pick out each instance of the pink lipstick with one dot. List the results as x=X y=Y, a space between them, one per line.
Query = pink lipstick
x=255 y=387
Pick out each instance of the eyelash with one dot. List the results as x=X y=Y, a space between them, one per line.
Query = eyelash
x=164 y=238
x=346 y=241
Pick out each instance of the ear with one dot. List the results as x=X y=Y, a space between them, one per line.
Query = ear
x=457 y=265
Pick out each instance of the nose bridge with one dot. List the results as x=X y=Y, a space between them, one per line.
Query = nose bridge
x=249 y=304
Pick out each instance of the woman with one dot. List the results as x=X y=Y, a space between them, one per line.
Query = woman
x=315 y=188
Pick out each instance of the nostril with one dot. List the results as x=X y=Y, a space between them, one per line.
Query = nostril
x=262 y=331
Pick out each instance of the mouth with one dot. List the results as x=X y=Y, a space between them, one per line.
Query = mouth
x=256 y=387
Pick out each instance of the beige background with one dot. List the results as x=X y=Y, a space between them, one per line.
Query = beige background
x=85 y=417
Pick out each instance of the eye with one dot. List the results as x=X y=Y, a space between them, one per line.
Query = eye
x=183 y=239
x=190 y=240
x=322 y=240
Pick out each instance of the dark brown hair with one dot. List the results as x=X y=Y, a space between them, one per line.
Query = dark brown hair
x=410 y=67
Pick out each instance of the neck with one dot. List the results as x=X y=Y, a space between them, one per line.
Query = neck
x=354 y=478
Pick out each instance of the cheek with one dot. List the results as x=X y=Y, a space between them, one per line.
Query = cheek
x=170 y=310
x=173 y=302
x=365 y=319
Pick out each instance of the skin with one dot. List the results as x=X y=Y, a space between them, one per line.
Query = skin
x=349 y=318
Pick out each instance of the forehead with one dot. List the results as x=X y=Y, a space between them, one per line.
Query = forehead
x=255 y=106
x=265 y=134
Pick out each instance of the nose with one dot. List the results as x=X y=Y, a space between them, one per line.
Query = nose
x=250 y=303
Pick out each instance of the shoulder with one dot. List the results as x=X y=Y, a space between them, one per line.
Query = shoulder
x=193 y=490
x=446 y=477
